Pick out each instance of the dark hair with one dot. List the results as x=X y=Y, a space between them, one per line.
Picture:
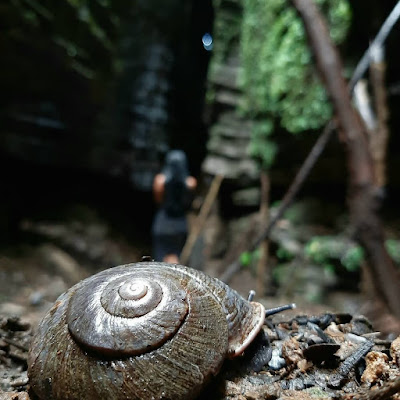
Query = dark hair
x=175 y=166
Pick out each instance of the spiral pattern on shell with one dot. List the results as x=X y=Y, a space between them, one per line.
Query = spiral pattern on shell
x=140 y=331
x=127 y=305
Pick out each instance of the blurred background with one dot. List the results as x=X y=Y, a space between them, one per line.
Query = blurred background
x=95 y=93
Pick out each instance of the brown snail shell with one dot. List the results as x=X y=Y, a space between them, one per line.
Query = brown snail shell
x=147 y=330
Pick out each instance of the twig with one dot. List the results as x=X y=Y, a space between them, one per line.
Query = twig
x=350 y=362
x=363 y=104
x=387 y=390
x=318 y=147
x=380 y=38
x=230 y=272
x=263 y=273
x=298 y=181
x=16 y=344
x=294 y=188
x=201 y=218
x=380 y=136
x=18 y=357
x=336 y=380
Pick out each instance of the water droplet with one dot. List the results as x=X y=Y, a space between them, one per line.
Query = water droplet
x=207 y=41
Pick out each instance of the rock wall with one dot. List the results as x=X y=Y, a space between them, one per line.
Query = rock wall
x=98 y=86
x=229 y=132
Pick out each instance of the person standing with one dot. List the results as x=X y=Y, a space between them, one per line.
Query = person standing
x=173 y=190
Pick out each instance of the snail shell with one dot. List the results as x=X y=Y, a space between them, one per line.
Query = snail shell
x=147 y=330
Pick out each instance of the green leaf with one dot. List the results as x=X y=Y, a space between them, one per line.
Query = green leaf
x=246 y=258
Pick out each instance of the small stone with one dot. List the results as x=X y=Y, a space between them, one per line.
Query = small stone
x=21 y=381
x=276 y=362
x=14 y=396
x=377 y=367
x=14 y=324
x=12 y=309
x=395 y=351
x=36 y=298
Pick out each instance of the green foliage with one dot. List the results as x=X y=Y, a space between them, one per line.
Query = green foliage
x=352 y=258
x=326 y=250
x=278 y=80
x=276 y=75
x=261 y=147
x=284 y=254
x=331 y=255
x=393 y=248
x=248 y=258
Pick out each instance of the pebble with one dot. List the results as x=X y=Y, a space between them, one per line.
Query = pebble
x=12 y=309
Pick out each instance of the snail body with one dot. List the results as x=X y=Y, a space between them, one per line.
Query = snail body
x=146 y=330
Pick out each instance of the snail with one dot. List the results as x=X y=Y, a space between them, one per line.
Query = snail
x=146 y=330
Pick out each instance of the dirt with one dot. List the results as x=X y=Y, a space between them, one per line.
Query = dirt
x=15 y=337
x=34 y=273
x=49 y=258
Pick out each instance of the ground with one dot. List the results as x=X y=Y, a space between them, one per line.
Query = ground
x=307 y=349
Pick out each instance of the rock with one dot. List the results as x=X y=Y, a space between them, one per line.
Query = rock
x=14 y=396
x=240 y=169
x=20 y=381
x=62 y=263
x=249 y=197
x=229 y=135
x=12 y=309
x=36 y=298
x=276 y=362
x=395 y=351
x=377 y=367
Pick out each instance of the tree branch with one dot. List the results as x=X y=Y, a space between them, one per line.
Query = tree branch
x=363 y=199
x=380 y=136
x=379 y=40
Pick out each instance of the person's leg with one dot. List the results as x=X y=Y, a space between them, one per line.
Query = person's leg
x=159 y=250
